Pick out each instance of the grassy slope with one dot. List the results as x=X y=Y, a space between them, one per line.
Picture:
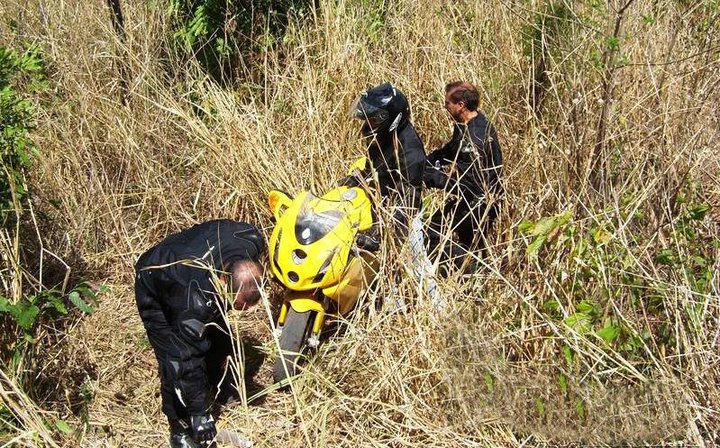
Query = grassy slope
x=503 y=368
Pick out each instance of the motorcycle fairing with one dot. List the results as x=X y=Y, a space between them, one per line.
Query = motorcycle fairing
x=311 y=242
x=355 y=280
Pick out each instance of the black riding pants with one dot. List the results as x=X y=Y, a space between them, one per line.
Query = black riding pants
x=460 y=228
x=183 y=365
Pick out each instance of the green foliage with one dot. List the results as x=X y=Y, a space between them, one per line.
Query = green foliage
x=689 y=254
x=586 y=316
x=580 y=407
x=62 y=426
x=219 y=32
x=613 y=43
x=489 y=382
x=609 y=332
x=23 y=313
x=29 y=310
x=601 y=289
x=24 y=317
x=542 y=230
x=563 y=385
x=649 y=20
x=76 y=298
x=17 y=72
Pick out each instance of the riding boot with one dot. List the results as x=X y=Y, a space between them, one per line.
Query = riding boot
x=182 y=440
x=180 y=434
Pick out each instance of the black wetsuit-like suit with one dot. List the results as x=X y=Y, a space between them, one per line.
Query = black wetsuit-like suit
x=475 y=181
x=177 y=303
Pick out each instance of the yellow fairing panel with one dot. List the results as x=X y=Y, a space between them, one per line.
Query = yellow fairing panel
x=360 y=210
x=355 y=280
x=304 y=305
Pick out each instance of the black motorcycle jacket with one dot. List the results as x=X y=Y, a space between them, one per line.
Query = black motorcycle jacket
x=178 y=300
x=397 y=159
x=475 y=150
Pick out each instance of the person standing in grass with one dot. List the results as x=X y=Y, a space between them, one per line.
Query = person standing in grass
x=397 y=159
x=181 y=286
x=474 y=180
x=395 y=151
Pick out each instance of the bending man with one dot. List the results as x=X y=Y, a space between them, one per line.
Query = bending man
x=179 y=290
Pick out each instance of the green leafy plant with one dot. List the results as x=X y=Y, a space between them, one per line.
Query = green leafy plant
x=542 y=230
x=218 y=32
x=600 y=287
x=26 y=314
x=688 y=253
x=63 y=427
x=18 y=71
x=28 y=311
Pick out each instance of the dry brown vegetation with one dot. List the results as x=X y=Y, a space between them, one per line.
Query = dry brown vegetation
x=598 y=327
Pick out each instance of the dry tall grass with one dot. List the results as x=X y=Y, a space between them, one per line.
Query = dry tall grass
x=620 y=133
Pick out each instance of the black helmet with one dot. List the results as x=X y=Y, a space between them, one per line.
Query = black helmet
x=383 y=109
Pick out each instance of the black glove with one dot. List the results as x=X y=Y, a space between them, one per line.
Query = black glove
x=203 y=429
x=367 y=243
x=433 y=177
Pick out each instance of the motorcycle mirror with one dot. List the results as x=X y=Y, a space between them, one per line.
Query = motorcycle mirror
x=359 y=165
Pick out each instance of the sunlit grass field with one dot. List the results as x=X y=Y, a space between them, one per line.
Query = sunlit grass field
x=592 y=320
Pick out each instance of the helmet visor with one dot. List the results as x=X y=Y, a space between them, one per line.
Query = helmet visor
x=374 y=116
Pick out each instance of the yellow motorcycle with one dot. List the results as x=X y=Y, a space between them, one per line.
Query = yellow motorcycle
x=317 y=252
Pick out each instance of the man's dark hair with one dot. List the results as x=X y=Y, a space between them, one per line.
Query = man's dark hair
x=461 y=91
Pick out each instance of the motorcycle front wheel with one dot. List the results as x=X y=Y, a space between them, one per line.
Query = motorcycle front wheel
x=297 y=329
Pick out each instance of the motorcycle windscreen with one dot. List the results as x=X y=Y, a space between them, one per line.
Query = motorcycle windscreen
x=316 y=219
